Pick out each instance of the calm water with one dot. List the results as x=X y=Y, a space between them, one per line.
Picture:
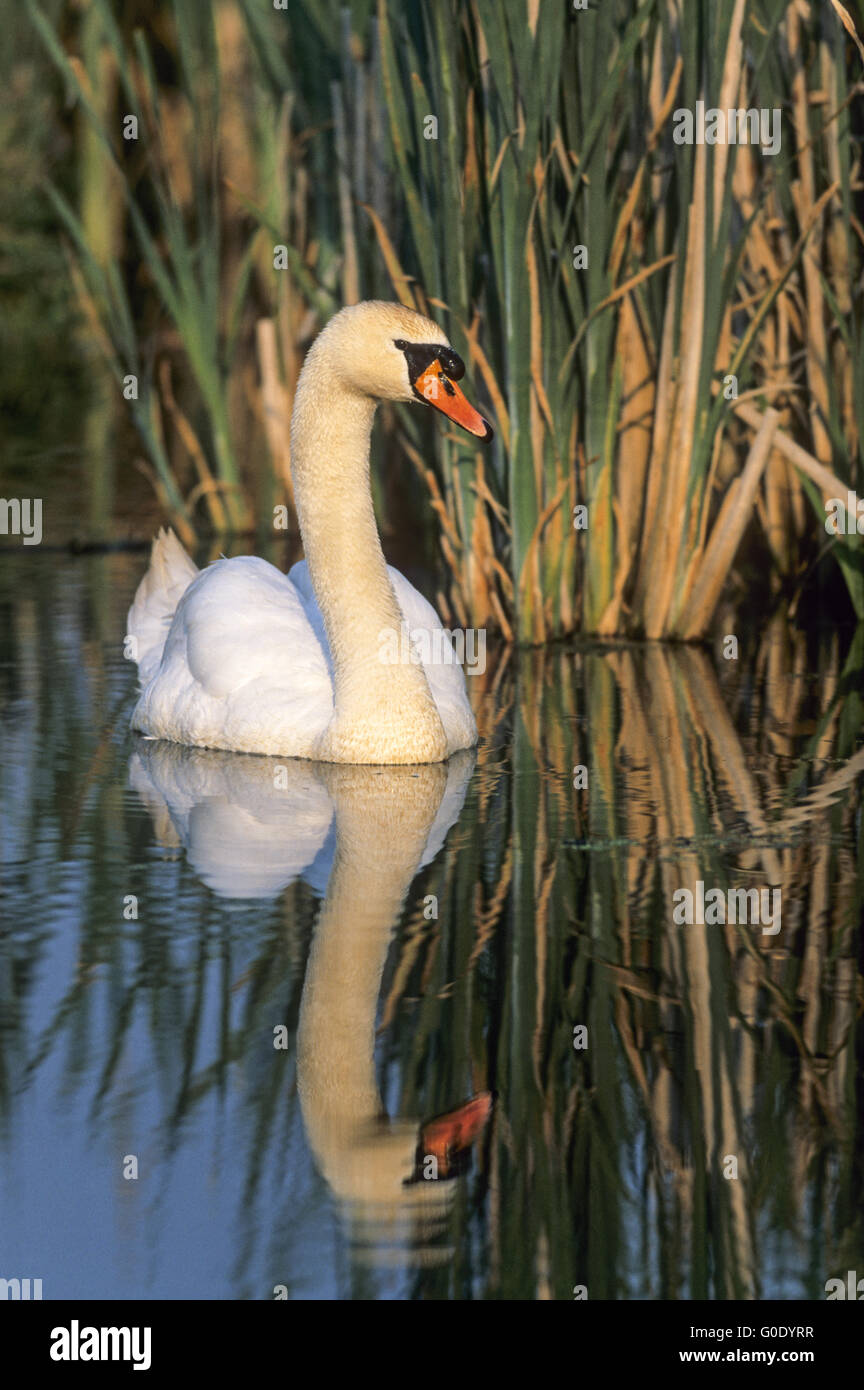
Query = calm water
x=259 y=985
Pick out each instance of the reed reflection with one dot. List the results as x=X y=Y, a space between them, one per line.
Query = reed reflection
x=601 y=1166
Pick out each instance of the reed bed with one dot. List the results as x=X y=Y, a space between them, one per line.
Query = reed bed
x=668 y=335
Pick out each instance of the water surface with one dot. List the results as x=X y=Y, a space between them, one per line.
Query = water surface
x=261 y=985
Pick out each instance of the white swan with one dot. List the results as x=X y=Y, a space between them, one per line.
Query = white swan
x=241 y=657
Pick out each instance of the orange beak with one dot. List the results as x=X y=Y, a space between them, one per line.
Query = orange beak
x=436 y=388
x=448 y=1137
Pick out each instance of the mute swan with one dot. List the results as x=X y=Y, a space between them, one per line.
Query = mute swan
x=241 y=657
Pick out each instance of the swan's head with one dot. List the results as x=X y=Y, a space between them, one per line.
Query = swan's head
x=391 y=353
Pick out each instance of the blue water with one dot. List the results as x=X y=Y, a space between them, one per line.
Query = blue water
x=152 y=1035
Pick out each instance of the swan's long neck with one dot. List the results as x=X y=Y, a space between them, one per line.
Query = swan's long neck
x=383 y=712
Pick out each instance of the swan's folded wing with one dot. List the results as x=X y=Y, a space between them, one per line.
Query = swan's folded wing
x=242 y=667
x=244 y=620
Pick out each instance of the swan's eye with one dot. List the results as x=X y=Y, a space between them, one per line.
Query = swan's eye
x=452 y=363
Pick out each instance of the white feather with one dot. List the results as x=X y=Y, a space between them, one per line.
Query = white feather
x=245 y=664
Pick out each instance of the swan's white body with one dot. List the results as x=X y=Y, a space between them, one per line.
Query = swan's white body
x=240 y=656
x=246 y=664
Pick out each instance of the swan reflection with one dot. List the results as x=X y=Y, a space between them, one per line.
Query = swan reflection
x=357 y=835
